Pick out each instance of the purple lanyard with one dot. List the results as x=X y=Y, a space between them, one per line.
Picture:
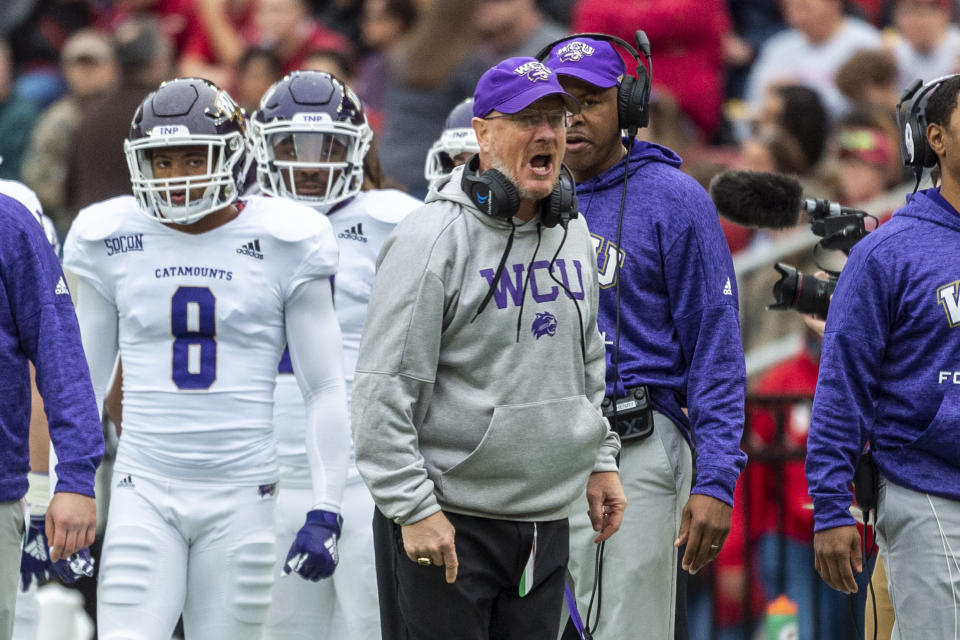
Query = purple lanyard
x=572 y=608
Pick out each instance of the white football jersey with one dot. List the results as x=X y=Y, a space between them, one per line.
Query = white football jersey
x=29 y=199
x=361 y=228
x=25 y=195
x=201 y=329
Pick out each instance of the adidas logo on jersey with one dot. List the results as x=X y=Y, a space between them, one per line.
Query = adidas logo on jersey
x=61 y=289
x=353 y=233
x=126 y=482
x=727 y=288
x=251 y=249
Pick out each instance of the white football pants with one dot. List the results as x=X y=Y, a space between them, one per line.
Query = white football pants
x=27 y=614
x=205 y=550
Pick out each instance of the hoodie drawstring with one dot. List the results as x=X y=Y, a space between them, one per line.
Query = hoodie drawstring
x=566 y=289
x=499 y=272
x=526 y=281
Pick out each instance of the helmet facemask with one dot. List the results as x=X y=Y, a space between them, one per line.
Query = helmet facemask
x=174 y=199
x=311 y=159
x=442 y=157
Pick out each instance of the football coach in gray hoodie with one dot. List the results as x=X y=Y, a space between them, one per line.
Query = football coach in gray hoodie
x=476 y=402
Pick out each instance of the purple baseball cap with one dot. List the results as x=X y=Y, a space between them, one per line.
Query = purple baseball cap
x=590 y=60
x=515 y=84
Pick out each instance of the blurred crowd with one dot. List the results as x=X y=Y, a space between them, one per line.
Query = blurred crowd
x=802 y=86
x=806 y=87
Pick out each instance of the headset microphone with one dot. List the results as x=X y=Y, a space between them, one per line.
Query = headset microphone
x=643 y=46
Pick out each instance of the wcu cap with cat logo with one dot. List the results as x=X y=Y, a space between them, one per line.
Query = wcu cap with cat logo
x=593 y=61
x=515 y=84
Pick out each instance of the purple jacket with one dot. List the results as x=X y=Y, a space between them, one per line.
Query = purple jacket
x=679 y=323
x=38 y=324
x=890 y=368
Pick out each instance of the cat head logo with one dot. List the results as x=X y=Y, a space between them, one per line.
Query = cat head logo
x=545 y=324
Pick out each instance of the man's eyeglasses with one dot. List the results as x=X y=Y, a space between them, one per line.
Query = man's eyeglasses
x=556 y=119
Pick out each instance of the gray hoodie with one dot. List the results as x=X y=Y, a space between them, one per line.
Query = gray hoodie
x=453 y=411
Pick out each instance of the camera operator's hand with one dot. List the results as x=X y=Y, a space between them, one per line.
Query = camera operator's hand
x=815 y=324
x=837 y=555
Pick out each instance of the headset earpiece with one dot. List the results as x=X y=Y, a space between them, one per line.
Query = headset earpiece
x=491 y=192
x=929 y=158
x=912 y=118
x=632 y=102
x=624 y=100
x=494 y=194
x=639 y=100
x=560 y=207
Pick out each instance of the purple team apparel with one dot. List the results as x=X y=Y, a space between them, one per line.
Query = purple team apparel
x=684 y=346
x=38 y=324
x=889 y=371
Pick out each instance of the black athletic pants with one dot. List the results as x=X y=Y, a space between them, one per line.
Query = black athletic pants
x=416 y=603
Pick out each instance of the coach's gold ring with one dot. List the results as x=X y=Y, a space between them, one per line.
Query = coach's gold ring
x=424 y=561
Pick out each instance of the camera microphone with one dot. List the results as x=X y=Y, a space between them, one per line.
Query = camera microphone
x=756 y=199
x=818 y=209
x=772 y=201
x=775 y=201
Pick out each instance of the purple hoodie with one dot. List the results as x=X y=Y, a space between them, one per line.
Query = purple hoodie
x=890 y=367
x=679 y=323
x=37 y=324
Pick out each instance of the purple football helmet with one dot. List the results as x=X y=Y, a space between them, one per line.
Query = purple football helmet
x=187 y=112
x=310 y=136
x=458 y=137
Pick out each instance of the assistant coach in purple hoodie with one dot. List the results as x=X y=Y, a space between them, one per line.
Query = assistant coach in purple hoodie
x=38 y=325
x=890 y=374
x=678 y=345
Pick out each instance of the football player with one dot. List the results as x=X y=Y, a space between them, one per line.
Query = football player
x=455 y=145
x=311 y=139
x=199 y=291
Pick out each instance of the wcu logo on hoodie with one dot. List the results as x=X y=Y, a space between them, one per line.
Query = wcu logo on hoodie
x=948 y=296
x=608 y=255
x=541 y=287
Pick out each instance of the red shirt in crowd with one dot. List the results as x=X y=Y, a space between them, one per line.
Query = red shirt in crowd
x=796 y=376
x=318 y=38
x=177 y=19
x=197 y=45
x=686 y=46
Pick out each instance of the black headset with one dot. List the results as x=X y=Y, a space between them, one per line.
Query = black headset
x=633 y=96
x=494 y=194
x=912 y=119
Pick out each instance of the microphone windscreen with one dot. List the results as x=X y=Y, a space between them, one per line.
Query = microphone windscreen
x=756 y=199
